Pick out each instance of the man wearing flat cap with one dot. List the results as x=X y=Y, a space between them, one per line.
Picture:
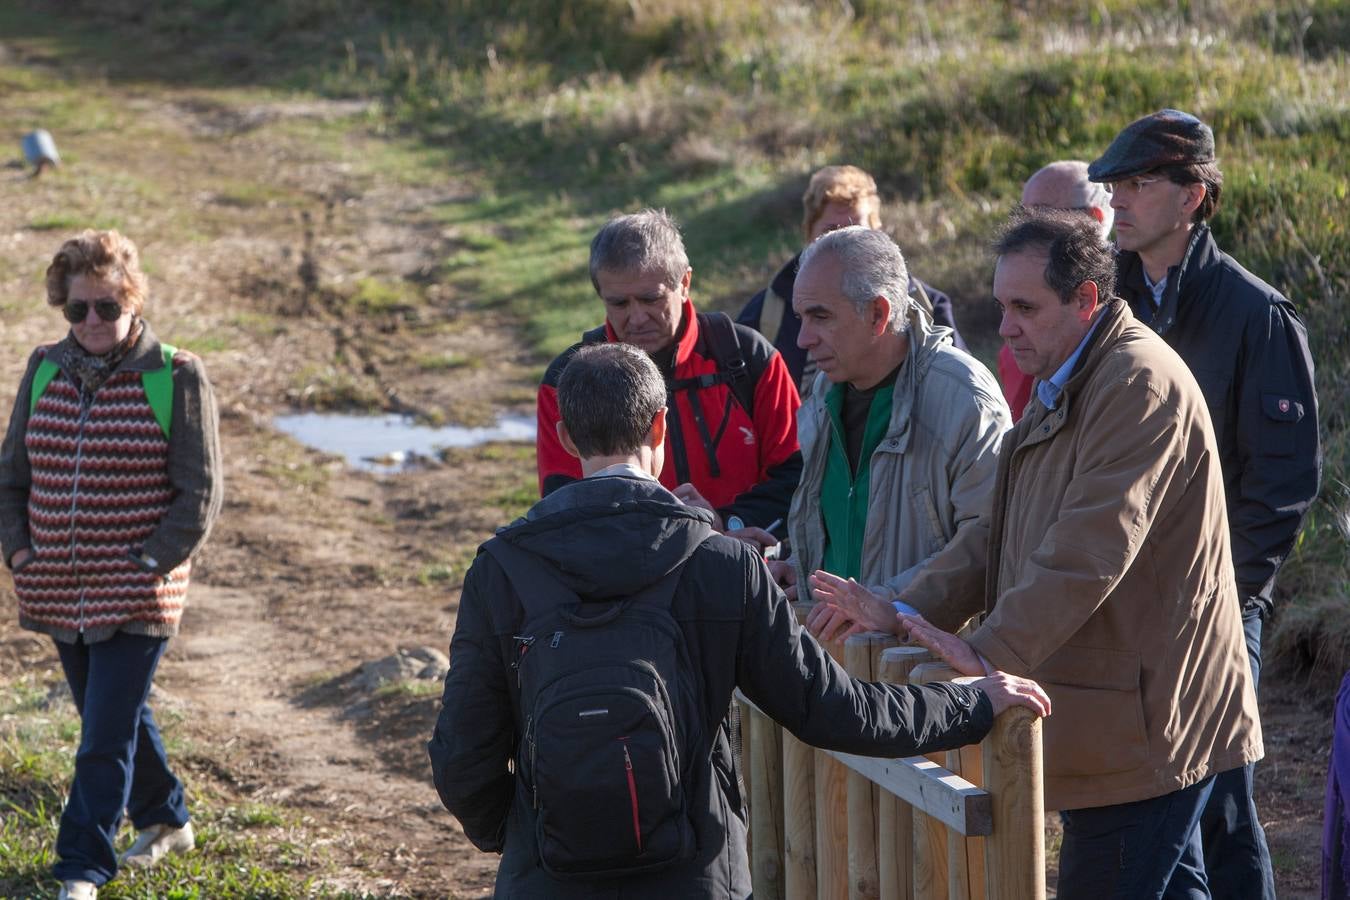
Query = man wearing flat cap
x=1248 y=350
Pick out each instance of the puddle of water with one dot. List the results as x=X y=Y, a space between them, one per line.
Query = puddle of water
x=391 y=443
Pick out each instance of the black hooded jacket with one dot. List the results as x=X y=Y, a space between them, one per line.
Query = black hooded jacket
x=1248 y=349
x=605 y=537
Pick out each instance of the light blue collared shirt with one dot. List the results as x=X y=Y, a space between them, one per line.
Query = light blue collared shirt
x=1157 y=288
x=1049 y=391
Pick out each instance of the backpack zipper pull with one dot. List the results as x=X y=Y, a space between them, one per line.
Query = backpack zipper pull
x=557 y=639
x=523 y=643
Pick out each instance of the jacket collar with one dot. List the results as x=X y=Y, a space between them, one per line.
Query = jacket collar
x=685 y=339
x=1201 y=253
x=1045 y=423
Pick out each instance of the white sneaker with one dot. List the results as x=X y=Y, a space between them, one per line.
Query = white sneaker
x=156 y=842
x=78 y=890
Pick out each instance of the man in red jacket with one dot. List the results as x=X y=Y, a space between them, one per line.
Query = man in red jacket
x=731 y=443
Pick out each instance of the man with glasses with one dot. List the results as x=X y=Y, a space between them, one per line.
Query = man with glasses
x=1248 y=350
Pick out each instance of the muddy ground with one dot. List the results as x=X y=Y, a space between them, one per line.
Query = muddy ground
x=260 y=217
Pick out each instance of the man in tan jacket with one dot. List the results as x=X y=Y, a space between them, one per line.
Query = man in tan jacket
x=1104 y=571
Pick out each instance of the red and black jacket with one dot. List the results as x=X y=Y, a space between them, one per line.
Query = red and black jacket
x=744 y=462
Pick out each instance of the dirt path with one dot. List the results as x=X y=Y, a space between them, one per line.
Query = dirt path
x=267 y=224
x=235 y=673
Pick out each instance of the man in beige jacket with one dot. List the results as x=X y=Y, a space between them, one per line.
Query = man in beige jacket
x=1105 y=573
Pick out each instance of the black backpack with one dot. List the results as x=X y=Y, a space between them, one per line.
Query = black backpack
x=608 y=703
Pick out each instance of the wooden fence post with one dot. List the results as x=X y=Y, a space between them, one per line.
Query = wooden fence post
x=799 y=805
x=896 y=817
x=766 y=807
x=862 y=657
x=831 y=815
x=965 y=855
x=931 y=881
x=1015 y=852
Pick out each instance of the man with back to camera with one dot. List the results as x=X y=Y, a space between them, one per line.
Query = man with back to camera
x=1062 y=184
x=1249 y=351
x=617 y=537
x=836 y=197
x=732 y=434
x=1104 y=571
x=899 y=435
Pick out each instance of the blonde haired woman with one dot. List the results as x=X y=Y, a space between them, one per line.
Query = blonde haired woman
x=109 y=482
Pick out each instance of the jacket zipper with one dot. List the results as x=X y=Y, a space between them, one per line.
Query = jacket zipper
x=632 y=793
x=852 y=480
x=86 y=406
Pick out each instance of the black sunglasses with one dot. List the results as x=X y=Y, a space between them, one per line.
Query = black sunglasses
x=108 y=309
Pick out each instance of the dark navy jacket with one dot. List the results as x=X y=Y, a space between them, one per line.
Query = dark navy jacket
x=1248 y=349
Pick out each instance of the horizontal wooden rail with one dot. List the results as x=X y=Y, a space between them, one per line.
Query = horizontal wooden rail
x=924 y=785
x=928 y=787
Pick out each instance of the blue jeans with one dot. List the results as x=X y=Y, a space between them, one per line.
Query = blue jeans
x=1136 y=851
x=1236 y=857
x=121 y=762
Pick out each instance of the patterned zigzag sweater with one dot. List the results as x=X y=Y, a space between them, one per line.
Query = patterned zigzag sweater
x=100 y=486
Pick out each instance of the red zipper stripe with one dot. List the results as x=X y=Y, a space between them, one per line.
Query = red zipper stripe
x=632 y=793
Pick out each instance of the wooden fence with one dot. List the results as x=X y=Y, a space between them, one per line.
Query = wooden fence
x=963 y=824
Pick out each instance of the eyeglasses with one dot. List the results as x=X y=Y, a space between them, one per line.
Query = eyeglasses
x=1136 y=185
x=108 y=309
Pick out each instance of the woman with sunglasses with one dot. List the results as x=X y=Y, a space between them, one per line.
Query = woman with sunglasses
x=109 y=482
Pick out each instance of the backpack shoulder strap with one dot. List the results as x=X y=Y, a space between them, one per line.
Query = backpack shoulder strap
x=46 y=371
x=158 y=384
x=725 y=346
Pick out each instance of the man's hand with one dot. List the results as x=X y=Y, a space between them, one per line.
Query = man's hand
x=870 y=610
x=19 y=556
x=1006 y=690
x=953 y=650
x=785 y=575
x=689 y=496
x=829 y=623
x=758 y=538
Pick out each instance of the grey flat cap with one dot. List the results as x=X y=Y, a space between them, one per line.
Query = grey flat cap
x=1167 y=137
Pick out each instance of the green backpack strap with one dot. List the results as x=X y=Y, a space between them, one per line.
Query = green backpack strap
x=158 y=384
x=46 y=371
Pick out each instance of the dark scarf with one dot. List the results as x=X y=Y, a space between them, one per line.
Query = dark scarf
x=91 y=371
